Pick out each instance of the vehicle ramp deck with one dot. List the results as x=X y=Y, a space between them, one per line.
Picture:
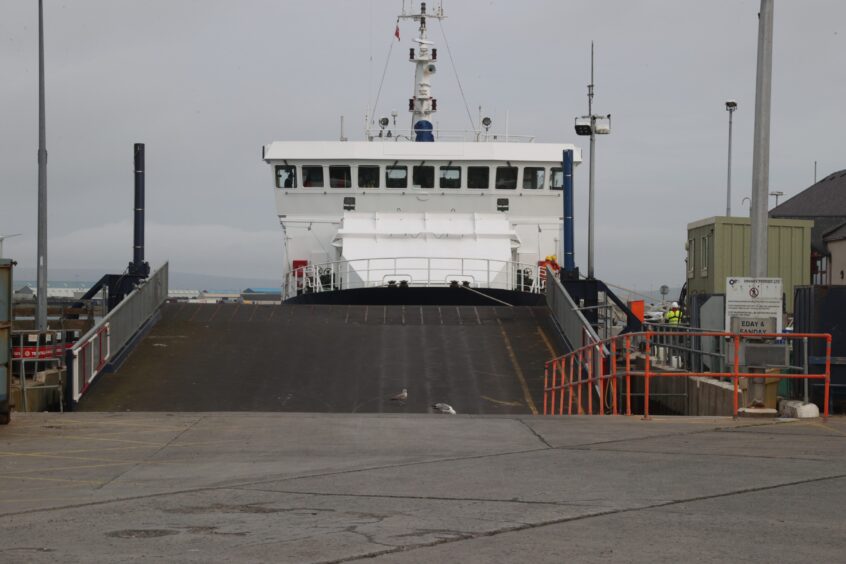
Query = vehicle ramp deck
x=332 y=358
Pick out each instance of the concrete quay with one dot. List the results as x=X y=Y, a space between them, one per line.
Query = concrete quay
x=289 y=487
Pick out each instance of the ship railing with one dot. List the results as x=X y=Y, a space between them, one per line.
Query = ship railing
x=413 y=272
x=460 y=135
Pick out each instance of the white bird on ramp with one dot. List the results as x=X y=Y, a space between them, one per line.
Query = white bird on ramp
x=444 y=408
x=402 y=396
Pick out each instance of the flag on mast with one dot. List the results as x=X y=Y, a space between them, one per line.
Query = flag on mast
x=396 y=32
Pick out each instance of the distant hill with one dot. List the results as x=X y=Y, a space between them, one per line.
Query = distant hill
x=178 y=280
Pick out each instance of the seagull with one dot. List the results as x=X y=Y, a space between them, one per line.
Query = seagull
x=444 y=408
x=402 y=396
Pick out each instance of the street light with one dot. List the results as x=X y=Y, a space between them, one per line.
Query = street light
x=592 y=125
x=731 y=106
x=3 y=238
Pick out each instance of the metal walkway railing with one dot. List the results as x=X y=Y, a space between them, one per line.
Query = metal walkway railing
x=93 y=351
x=601 y=366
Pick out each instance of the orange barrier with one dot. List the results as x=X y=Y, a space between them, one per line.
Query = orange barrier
x=585 y=367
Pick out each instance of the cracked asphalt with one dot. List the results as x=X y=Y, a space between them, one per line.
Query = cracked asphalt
x=317 y=488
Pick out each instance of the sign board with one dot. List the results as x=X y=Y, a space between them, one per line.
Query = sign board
x=754 y=305
x=753 y=325
x=45 y=351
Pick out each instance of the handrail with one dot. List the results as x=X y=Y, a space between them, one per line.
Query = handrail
x=414 y=272
x=92 y=352
x=403 y=135
x=559 y=379
x=575 y=327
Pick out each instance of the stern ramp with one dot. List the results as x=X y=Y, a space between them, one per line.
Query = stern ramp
x=334 y=358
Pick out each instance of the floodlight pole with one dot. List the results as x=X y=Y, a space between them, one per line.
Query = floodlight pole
x=761 y=162
x=730 y=108
x=41 y=301
x=592 y=167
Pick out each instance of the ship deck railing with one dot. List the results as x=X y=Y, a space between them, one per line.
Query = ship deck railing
x=416 y=272
x=455 y=135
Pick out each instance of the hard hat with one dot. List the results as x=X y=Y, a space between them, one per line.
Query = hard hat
x=675 y=304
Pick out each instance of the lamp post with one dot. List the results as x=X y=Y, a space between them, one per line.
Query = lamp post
x=3 y=238
x=41 y=265
x=592 y=125
x=731 y=106
x=758 y=220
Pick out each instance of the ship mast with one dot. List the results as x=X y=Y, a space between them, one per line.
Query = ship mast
x=423 y=105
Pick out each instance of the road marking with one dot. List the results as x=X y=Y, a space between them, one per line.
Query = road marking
x=526 y=395
x=214 y=313
x=31 y=471
x=64 y=480
x=503 y=402
x=546 y=341
x=76 y=498
x=823 y=426
x=174 y=427
x=109 y=461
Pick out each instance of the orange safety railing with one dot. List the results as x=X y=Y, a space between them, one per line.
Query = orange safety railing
x=566 y=375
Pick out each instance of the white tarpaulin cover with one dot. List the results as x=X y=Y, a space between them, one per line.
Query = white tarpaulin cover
x=427 y=248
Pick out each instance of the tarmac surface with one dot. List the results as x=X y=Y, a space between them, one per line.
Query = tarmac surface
x=333 y=358
x=288 y=487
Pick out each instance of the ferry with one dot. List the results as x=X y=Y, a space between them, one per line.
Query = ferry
x=409 y=212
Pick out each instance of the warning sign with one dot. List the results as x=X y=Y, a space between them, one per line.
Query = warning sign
x=754 y=305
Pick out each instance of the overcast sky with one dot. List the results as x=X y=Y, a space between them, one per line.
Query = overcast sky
x=206 y=83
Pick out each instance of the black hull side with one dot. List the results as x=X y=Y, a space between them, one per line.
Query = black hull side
x=421 y=296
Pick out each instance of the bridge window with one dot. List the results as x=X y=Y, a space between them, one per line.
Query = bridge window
x=286 y=176
x=557 y=179
x=368 y=176
x=533 y=178
x=478 y=177
x=423 y=176
x=396 y=176
x=450 y=177
x=340 y=176
x=313 y=176
x=506 y=177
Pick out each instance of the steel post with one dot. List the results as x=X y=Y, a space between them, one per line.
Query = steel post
x=567 y=234
x=563 y=372
x=628 y=375
x=590 y=197
x=805 y=367
x=570 y=395
x=41 y=298
x=728 y=179
x=761 y=163
x=647 y=367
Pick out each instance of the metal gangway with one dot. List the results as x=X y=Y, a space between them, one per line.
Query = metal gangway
x=91 y=355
